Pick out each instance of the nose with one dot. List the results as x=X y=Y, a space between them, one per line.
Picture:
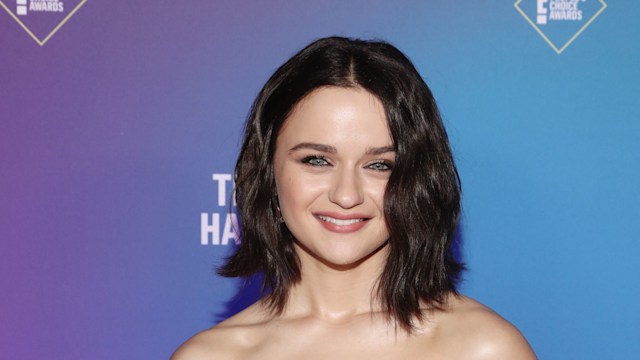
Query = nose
x=346 y=190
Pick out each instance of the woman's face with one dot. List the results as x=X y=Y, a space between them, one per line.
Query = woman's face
x=333 y=159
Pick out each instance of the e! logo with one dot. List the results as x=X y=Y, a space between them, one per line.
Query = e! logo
x=21 y=7
x=542 y=12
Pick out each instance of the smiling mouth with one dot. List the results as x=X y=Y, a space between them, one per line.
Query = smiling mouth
x=339 y=222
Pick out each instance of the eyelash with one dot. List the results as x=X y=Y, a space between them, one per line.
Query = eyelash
x=314 y=160
x=311 y=158
x=388 y=166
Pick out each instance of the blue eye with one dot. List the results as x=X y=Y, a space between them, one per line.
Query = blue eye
x=315 y=160
x=380 y=166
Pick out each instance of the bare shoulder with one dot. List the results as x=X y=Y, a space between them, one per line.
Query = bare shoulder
x=227 y=340
x=204 y=345
x=480 y=333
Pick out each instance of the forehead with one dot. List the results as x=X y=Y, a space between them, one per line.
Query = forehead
x=338 y=116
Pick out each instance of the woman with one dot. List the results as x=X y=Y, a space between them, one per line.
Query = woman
x=349 y=198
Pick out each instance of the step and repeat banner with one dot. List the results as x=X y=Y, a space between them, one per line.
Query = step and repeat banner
x=120 y=123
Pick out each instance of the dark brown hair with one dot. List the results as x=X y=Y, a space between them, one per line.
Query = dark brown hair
x=422 y=197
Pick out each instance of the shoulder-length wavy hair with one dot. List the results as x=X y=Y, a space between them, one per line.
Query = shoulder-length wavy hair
x=422 y=197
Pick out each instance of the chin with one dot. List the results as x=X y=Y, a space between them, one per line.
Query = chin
x=345 y=259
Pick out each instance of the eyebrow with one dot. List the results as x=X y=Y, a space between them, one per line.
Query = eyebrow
x=332 y=150
x=314 y=146
x=380 y=150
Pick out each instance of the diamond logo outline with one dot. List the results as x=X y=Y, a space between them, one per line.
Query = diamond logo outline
x=52 y=32
x=546 y=38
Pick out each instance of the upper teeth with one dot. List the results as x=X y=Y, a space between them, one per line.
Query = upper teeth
x=338 y=221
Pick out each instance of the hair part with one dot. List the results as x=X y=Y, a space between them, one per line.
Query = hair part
x=422 y=197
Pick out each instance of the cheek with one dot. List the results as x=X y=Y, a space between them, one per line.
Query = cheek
x=298 y=191
x=375 y=190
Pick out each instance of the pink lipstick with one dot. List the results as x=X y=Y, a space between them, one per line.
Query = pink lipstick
x=342 y=223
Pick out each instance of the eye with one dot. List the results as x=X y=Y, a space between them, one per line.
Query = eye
x=380 y=166
x=315 y=160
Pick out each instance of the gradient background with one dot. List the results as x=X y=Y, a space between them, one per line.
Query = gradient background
x=110 y=132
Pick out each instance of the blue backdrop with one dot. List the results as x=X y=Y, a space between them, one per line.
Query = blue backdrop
x=111 y=132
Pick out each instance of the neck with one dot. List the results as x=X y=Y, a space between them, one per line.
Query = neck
x=336 y=293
